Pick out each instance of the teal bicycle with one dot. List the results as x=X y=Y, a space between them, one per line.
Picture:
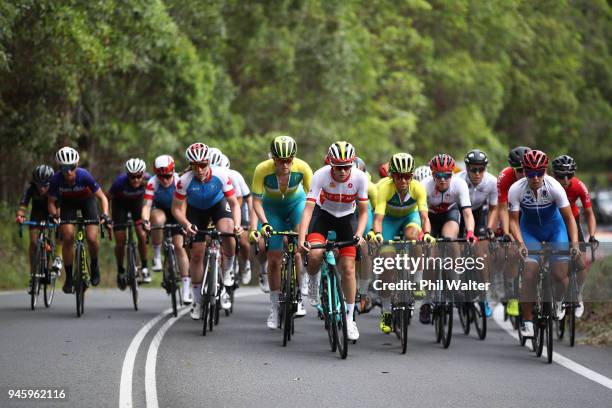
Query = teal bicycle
x=332 y=307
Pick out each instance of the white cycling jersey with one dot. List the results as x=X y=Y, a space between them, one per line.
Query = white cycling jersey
x=441 y=202
x=338 y=198
x=483 y=193
x=240 y=186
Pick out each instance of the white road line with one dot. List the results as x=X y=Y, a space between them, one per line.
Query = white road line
x=498 y=316
x=125 y=389
x=151 y=362
x=12 y=292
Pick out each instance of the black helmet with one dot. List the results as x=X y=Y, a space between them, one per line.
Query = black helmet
x=476 y=157
x=42 y=174
x=564 y=164
x=515 y=157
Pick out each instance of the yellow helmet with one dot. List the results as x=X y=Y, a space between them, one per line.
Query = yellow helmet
x=283 y=147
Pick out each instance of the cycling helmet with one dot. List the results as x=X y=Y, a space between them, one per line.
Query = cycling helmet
x=341 y=153
x=401 y=163
x=164 y=164
x=215 y=156
x=535 y=160
x=283 y=147
x=515 y=157
x=42 y=174
x=564 y=164
x=225 y=161
x=67 y=156
x=421 y=173
x=443 y=163
x=476 y=157
x=197 y=153
x=135 y=166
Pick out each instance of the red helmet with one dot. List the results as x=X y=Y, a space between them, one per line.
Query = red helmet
x=535 y=160
x=164 y=164
x=442 y=163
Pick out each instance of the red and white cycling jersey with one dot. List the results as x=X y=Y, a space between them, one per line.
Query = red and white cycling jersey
x=338 y=198
x=440 y=202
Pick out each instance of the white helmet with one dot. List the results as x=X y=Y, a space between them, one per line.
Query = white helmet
x=225 y=161
x=164 y=164
x=135 y=166
x=215 y=156
x=197 y=153
x=67 y=156
x=421 y=173
x=341 y=153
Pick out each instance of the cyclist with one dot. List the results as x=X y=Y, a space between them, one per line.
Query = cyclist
x=330 y=206
x=483 y=196
x=126 y=195
x=204 y=193
x=71 y=189
x=36 y=191
x=243 y=194
x=157 y=210
x=564 y=169
x=546 y=216
x=401 y=209
x=278 y=188
x=421 y=173
x=448 y=198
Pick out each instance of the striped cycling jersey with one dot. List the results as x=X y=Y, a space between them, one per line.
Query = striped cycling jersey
x=205 y=194
x=335 y=197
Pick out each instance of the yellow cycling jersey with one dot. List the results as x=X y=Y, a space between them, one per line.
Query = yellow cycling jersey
x=389 y=202
x=266 y=185
x=372 y=192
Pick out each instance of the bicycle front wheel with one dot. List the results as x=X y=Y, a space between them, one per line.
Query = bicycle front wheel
x=35 y=276
x=464 y=317
x=446 y=320
x=339 y=320
x=132 y=274
x=571 y=325
x=480 y=320
x=51 y=278
x=79 y=284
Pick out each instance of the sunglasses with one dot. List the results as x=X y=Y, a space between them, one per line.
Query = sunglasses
x=164 y=176
x=535 y=173
x=135 y=176
x=564 y=175
x=199 y=165
x=284 y=161
x=476 y=170
x=518 y=169
x=342 y=168
x=68 y=167
x=402 y=176
x=443 y=176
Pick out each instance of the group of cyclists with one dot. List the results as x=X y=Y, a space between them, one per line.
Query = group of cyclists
x=338 y=201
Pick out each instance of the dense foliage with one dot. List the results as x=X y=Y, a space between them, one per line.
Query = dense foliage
x=144 y=77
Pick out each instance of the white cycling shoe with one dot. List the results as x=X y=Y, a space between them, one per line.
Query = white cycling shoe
x=157 y=264
x=263 y=283
x=527 y=329
x=351 y=330
x=301 y=310
x=228 y=278
x=272 y=322
x=304 y=285
x=246 y=274
x=196 y=311
x=226 y=303
x=559 y=310
x=313 y=289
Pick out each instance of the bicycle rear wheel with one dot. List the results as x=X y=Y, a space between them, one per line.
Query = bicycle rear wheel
x=403 y=327
x=480 y=320
x=287 y=301
x=560 y=328
x=538 y=337
x=204 y=314
x=170 y=281
x=131 y=272
x=339 y=320
x=327 y=312
x=549 y=339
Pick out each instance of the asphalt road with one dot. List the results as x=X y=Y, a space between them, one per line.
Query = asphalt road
x=115 y=356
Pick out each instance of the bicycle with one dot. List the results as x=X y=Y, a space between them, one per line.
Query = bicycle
x=472 y=307
x=289 y=295
x=543 y=308
x=570 y=303
x=80 y=270
x=133 y=272
x=402 y=301
x=213 y=281
x=332 y=307
x=41 y=274
x=170 y=277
